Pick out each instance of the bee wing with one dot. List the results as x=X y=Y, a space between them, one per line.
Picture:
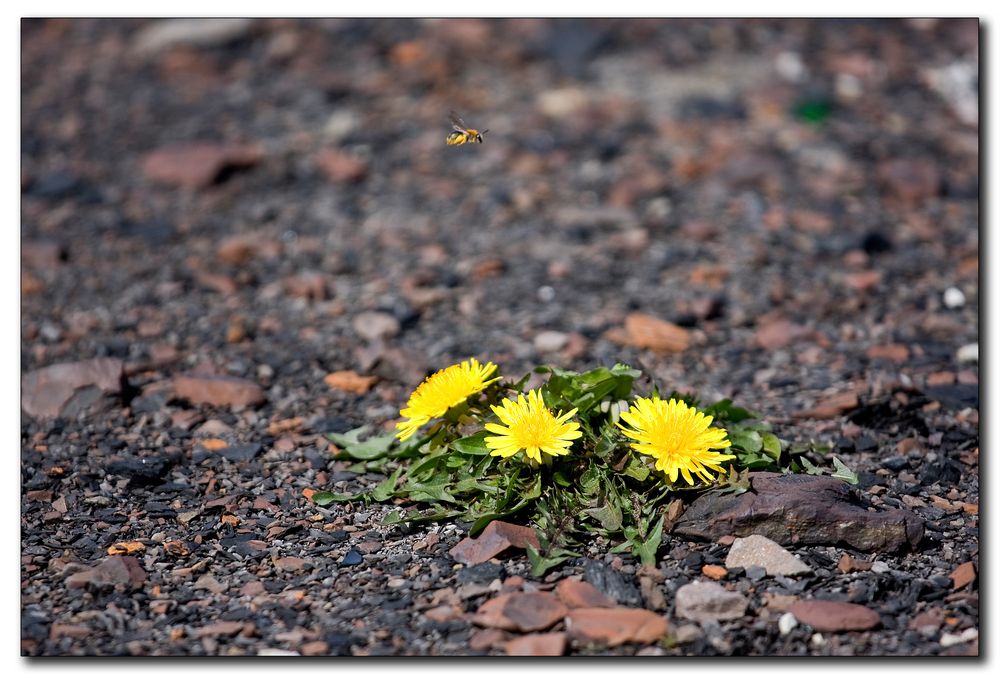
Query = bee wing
x=457 y=122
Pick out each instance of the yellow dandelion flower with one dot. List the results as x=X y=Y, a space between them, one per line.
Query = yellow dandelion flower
x=678 y=437
x=531 y=427
x=441 y=391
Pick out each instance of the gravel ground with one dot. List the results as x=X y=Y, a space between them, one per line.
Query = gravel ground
x=272 y=201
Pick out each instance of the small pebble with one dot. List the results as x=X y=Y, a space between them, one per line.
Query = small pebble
x=880 y=567
x=786 y=623
x=953 y=639
x=968 y=353
x=954 y=298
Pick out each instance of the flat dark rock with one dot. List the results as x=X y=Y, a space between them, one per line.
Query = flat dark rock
x=800 y=510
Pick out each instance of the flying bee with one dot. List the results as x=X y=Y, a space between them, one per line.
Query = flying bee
x=461 y=133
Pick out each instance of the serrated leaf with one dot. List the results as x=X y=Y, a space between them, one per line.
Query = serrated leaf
x=636 y=469
x=809 y=467
x=609 y=515
x=430 y=493
x=590 y=481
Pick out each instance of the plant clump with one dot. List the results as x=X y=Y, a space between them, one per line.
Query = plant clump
x=580 y=456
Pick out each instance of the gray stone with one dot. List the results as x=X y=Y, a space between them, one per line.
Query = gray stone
x=759 y=550
x=703 y=601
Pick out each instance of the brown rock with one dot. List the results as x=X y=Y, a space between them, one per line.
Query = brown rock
x=341 y=167
x=494 y=539
x=940 y=378
x=240 y=249
x=906 y=445
x=223 y=628
x=217 y=390
x=483 y=640
x=963 y=575
x=537 y=645
x=779 y=333
x=308 y=285
x=252 y=588
x=375 y=325
x=69 y=389
x=647 y=332
x=897 y=353
x=220 y=283
x=443 y=614
x=209 y=582
x=576 y=593
x=60 y=630
x=30 y=284
x=848 y=564
x=290 y=564
x=350 y=381
x=834 y=616
x=863 y=280
x=42 y=254
x=313 y=648
x=910 y=180
x=800 y=510
x=714 y=571
x=830 y=408
x=615 y=626
x=928 y=621
x=520 y=611
x=121 y=570
x=197 y=165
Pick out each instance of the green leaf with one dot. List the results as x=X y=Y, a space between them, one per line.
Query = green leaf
x=725 y=410
x=843 y=472
x=540 y=564
x=322 y=498
x=609 y=515
x=646 y=549
x=809 y=467
x=535 y=490
x=749 y=441
x=430 y=492
x=771 y=445
x=473 y=444
x=386 y=488
x=372 y=448
x=590 y=481
x=392 y=517
x=636 y=469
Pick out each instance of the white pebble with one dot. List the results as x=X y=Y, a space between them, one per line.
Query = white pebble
x=954 y=298
x=966 y=636
x=546 y=293
x=789 y=65
x=817 y=639
x=968 y=353
x=880 y=567
x=787 y=623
